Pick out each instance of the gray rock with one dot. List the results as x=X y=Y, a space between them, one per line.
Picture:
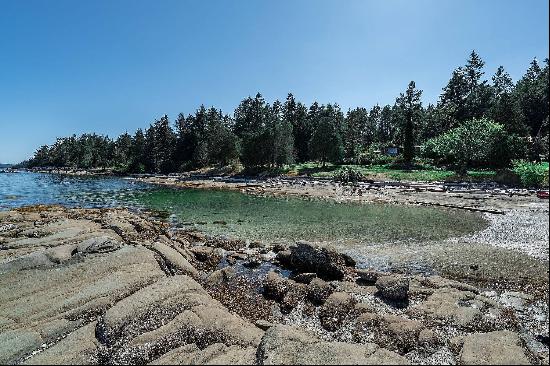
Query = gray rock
x=174 y=260
x=275 y=286
x=335 y=310
x=202 y=253
x=447 y=306
x=393 y=287
x=304 y=277
x=285 y=345
x=14 y=344
x=102 y=244
x=399 y=333
x=495 y=348
x=79 y=347
x=327 y=263
x=263 y=324
x=318 y=291
x=215 y=354
x=221 y=276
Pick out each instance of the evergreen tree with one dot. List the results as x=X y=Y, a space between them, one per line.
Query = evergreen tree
x=410 y=106
x=326 y=143
x=296 y=114
x=357 y=133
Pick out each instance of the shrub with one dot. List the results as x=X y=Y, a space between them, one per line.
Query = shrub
x=531 y=175
x=348 y=175
x=477 y=143
x=374 y=156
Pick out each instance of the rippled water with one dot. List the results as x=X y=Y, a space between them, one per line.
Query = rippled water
x=241 y=215
x=22 y=188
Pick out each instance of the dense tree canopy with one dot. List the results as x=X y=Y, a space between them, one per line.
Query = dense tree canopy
x=511 y=118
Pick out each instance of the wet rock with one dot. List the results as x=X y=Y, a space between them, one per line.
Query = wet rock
x=220 y=277
x=318 y=291
x=495 y=348
x=284 y=257
x=237 y=256
x=275 y=286
x=255 y=245
x=291 y=346
x=393 y=287
x=253 y=261
x=335 y=310
x=279 y=248
x=327 y=263
x=367 y=276
x=293 y=297
x=202 y=253
x=305 y=278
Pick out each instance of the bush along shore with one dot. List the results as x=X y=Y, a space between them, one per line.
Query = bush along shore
x=111 y=286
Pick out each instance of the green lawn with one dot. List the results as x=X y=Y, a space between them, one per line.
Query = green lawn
x=387 y=172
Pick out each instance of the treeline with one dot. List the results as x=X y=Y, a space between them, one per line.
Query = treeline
x=475 y=122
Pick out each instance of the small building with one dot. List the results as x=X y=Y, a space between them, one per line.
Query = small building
x=392 y=150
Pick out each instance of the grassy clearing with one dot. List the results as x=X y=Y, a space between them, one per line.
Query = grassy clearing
x=389 y=172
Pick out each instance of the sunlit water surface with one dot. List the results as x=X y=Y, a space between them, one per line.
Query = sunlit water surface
x=241 y=215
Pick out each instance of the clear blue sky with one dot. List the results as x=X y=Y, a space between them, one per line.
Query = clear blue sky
x=110 y=66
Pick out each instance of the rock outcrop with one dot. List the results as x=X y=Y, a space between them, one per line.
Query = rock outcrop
x=93 y=286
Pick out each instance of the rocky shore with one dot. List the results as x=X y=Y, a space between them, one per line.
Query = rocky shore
x=113 y=286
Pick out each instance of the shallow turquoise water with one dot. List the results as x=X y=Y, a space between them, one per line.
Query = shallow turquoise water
x=241 y=215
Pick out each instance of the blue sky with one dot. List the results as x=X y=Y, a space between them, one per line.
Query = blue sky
x=110 y=66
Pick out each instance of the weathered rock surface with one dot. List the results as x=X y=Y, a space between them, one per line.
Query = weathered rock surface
x=79 y=347
x=449 y=306
x=318 y=291
x=175 y=262
x=393 y=287
x=216 y=354
x=336 y=309
x=108 y=286
x=291 y=346
x=495 y=348
x=308 y=257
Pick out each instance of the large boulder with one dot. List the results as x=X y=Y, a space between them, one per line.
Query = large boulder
x=285 y=345
x=327 y=263
x=335 y=310
x=399 y=333
x=318 y=291
x=275 y=286
x=393 y=287
x=495 y=348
